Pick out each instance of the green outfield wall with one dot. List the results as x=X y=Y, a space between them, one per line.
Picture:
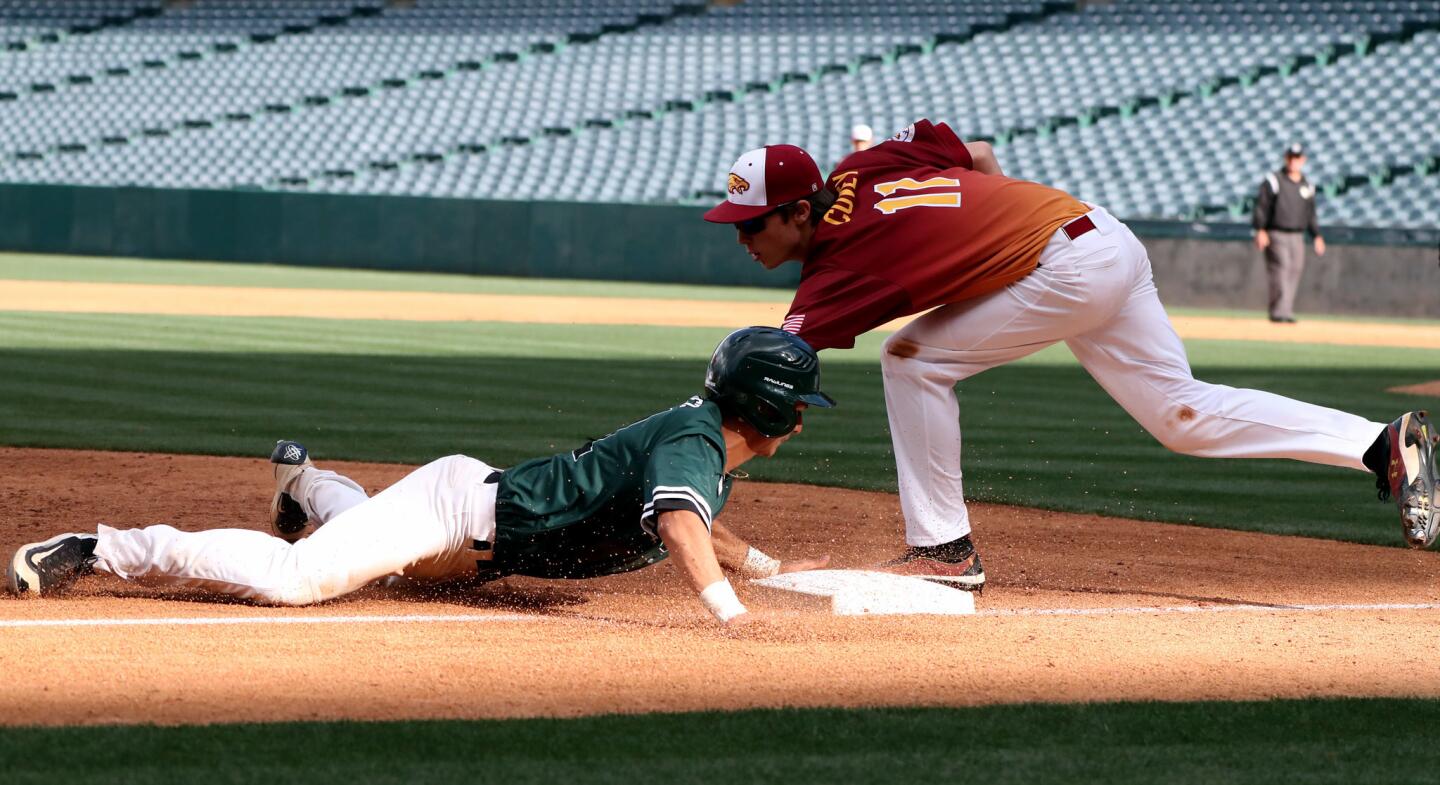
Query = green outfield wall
x=1366 y=272
x=663 y=243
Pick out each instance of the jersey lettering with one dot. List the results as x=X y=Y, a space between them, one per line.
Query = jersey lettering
x=845 y=183
x=934 y=197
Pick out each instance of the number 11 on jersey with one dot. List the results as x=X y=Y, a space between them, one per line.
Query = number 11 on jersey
x=933 y=193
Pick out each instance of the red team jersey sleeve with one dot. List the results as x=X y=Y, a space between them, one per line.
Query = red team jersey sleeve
x=834 y=305
x=914 y=226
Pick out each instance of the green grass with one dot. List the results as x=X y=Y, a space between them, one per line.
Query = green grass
x=32 y=267
x=1283 y=742
x=1039 y=432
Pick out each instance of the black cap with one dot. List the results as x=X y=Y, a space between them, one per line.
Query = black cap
x=1294 y=150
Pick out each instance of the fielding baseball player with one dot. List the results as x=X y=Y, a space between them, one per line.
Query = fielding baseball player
x=926 y=221
x=615 y=504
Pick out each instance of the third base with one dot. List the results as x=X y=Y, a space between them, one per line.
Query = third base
x=866 y=592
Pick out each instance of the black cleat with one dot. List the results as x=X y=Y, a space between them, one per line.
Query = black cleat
x=44 y=568
x=955 y=564
x=287 y=518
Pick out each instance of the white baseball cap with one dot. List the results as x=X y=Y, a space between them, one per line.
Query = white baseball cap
x=862 y=133
x=763 y=179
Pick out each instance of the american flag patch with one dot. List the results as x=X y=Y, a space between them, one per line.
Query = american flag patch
x=793 y=323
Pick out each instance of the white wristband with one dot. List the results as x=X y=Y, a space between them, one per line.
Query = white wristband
x=720 y=598
x=758 y=565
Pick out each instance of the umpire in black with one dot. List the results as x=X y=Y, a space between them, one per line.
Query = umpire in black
x=1284 y=211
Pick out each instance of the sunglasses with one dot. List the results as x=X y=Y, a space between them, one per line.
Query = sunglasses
x=756 y=225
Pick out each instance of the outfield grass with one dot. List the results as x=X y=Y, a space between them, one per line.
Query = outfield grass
x=1039 y=432
x=30 y=267
x=1283 y=742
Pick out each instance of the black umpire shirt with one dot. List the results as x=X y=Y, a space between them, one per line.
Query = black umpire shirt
x=1285 y=205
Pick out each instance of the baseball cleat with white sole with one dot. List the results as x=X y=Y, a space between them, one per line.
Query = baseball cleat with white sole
x=44 y=568
x=287 y=518
x=1412 y=478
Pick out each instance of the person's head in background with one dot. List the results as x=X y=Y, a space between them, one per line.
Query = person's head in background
x=1294 y=159
x=860 y=137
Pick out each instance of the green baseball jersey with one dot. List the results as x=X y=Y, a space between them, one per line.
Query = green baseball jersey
x=593 y=511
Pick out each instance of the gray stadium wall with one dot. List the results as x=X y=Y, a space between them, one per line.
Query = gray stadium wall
x=1351 y=278
x=1365 y=272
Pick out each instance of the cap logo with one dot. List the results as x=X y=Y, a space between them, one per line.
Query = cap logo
x=738 y=184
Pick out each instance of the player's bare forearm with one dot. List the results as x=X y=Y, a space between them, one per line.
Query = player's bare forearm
x=736 y=554
x=690 y=546
x=982 y=158
x=730 y=549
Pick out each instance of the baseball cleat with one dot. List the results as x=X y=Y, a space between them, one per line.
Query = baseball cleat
x=287 y=518
x=43 y=568
x=1412 y=477
x=954 y=564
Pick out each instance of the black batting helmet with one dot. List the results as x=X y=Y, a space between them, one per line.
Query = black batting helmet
x=760 y=373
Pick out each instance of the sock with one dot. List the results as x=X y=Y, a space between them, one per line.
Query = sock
x=1377 y=457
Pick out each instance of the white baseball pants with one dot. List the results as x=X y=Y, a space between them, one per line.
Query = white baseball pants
x=424 y=526
x=1095 y=293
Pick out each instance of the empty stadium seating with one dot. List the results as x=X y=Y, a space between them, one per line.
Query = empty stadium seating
x=1166 y=163
x=1157 y=108
x=1410 y=200
x=27 y=23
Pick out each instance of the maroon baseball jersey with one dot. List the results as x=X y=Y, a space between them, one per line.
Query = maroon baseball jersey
x=914 y=226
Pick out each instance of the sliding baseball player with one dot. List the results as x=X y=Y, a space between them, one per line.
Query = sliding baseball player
x=648 y=491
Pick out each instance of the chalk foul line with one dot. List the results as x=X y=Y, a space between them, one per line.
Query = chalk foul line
x=490 y=618
x=202 y=621
x=1138 y=611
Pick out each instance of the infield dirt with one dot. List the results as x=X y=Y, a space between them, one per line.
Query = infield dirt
x=641 y=642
